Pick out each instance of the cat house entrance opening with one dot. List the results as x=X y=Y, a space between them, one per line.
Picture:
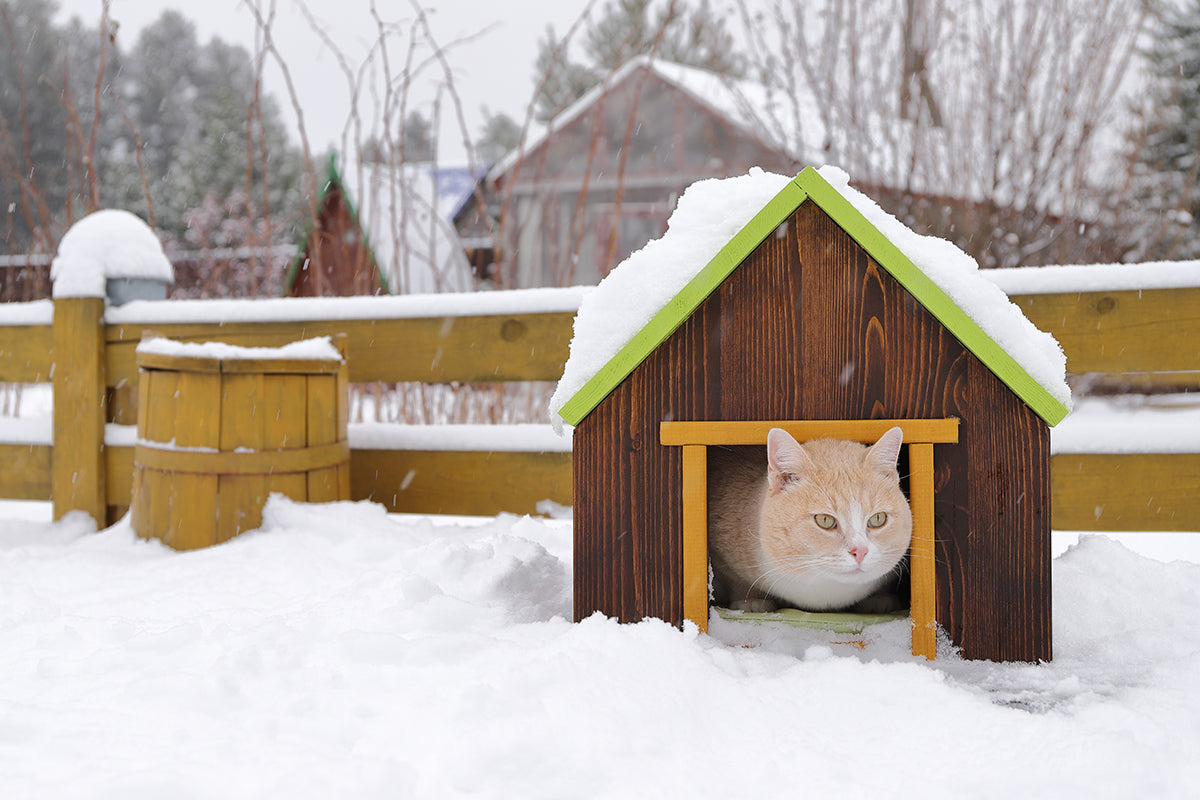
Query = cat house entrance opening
x=694 y=438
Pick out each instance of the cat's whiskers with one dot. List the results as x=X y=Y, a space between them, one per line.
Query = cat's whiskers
x=791 y=569
x=775 y=545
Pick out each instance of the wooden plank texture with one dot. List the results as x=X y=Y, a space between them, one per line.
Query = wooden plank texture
x=930 y=295
x=234 y=435
x=25 y=353
x=323 y=429
x=243 y=424
x=475 y=349
x=80 y=408
x=922 y=552
x=1106 y=332
x=1151 y=330
x=695 y=535
x=285 y=424
x=25 y=471
x=161 y=401
x=452 y=482
x=930 y=431
x=1126 y=492
x=119 y=467
x=1091 y=492
x=120 y=479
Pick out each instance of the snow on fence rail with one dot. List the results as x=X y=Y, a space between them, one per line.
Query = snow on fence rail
x=1142 y=331
x=1122 y=326
x=87 y=352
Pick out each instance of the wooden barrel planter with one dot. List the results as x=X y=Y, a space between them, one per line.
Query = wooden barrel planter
x=222 y=427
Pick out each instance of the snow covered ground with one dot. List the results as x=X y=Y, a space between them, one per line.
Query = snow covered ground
x=344 y=652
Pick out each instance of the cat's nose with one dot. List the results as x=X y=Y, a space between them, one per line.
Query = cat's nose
x=859 y=551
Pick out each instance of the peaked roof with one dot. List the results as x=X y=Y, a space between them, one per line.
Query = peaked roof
x=333 y=181
x=1046 y=395
x=757 y=110
x=412 y=243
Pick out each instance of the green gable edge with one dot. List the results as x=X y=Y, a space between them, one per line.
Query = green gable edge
x=931 y=296
x=810 y=185
x=333 y=177
x=680 y=307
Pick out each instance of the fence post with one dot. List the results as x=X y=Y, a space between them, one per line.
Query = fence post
x=77 y=480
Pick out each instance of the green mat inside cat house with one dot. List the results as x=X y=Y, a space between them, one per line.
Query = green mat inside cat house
x=797 y=301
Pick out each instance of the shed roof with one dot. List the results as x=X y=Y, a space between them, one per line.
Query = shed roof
x=649 y=295
x=413 y=244
x=765 y=114
x=333 y=182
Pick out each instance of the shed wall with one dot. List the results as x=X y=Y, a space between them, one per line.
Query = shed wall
x=336 y=261
x=809 y=327
x=620 y=163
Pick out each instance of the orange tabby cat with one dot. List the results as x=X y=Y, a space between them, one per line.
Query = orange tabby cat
x=823 y=527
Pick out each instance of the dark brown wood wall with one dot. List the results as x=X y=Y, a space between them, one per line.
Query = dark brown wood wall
x=809 y=327
x=337 y=263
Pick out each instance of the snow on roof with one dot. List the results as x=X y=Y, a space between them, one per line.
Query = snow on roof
x=958 y=275
x=789 y=122
x=707 y=216
x=455 y=186
x=107 y=244
x=662 y=278
x=760 y=111
x=414 y=243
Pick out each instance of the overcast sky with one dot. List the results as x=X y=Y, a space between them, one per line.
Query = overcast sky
x=494 y=69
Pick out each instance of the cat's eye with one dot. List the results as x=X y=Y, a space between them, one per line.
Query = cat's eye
x=877 y=520
x=825 y=521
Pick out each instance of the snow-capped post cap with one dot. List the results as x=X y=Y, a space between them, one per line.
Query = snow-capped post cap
x=114 y=254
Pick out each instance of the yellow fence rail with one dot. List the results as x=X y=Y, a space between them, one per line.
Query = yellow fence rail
x=1147 y=338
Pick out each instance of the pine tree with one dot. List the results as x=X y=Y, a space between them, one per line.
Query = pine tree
x=628 y=28
x=201 y=129
x=155 y=130
x=1166 y=169
x=418 y=139
x=500 y=135
x=47 y=107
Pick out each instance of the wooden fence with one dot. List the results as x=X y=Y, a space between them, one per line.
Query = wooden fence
x=1147 y=337
x=1141 y=339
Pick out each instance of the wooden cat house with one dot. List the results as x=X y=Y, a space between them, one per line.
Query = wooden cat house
x=824 y=316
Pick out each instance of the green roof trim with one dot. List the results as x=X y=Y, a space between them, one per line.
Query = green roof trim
x=931 y=296
x=810 y=185
x=333 y=179
x=680 y=307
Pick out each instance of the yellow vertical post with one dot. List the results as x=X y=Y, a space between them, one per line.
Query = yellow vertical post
x=695 y=535
x=341 y=342
x=921 y=555
x=80 y=408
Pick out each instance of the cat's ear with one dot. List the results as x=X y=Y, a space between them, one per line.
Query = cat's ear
x=883 y=454
x=786 y=459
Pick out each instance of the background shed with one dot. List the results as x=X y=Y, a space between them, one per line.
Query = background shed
x=400 y=240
